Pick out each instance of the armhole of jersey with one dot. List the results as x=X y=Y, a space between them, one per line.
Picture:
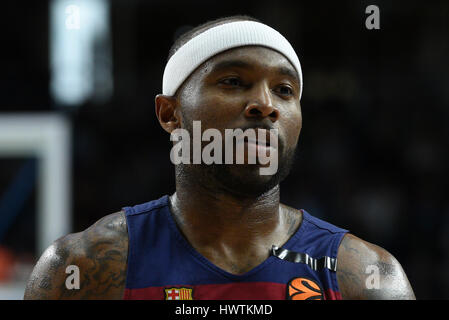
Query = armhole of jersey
x=130 y=259
x=132 y=224
x=335 y=246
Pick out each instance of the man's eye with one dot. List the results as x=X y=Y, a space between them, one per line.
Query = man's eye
x=285 y=90
x=231 y=81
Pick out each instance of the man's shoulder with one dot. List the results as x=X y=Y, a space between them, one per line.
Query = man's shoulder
x=109 y=232
x=98 y=253
x=110 y=227
x=317 y=223
x=367 y=271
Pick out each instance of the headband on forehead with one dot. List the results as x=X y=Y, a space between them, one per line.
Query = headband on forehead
x=221 y=38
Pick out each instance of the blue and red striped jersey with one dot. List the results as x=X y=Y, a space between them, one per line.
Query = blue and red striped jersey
x=163 y=265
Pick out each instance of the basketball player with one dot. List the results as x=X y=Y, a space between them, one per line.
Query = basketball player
x=224 y=233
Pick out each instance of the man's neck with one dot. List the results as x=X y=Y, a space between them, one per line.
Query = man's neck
x=226 y=221
x=235 y=232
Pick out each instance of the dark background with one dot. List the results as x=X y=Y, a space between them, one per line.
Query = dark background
x=374 y=145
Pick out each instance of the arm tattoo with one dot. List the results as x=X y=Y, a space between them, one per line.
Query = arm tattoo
x=100 y=253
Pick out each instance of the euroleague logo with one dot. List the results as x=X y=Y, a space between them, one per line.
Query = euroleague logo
x=303 y=289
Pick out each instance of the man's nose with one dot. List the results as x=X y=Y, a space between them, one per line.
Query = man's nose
x=261 y=104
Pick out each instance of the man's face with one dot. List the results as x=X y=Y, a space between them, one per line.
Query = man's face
x=247 y=87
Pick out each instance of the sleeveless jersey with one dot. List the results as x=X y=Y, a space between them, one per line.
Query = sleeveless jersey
x=162 y=265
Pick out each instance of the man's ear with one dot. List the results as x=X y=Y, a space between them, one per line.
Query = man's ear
x=167 y=112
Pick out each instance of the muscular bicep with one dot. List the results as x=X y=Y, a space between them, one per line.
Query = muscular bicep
x=366 y=271
x=48 y=279
x=86 y=265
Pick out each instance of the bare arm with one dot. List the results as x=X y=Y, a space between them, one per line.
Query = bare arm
x=359 y=262
x=100 y=252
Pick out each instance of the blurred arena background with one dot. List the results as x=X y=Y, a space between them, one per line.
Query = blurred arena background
x=79 y=138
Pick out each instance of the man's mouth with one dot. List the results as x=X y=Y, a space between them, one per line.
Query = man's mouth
x=265 y=138
x=264 y=142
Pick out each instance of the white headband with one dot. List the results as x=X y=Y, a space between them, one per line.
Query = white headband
x=221 y=38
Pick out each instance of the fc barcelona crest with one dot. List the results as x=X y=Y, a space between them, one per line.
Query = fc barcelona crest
x=178 y=293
